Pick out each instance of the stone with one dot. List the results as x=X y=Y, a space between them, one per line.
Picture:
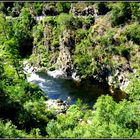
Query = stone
x=57 y=106
x=49 y=11
x=59 y=101
x=64 y=61
x=88 y=11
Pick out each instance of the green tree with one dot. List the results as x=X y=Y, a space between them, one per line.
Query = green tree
x=4 y=29
x=133 y=89
x=63 y=7
x=22 y=27
x=120 y=13
x=8 y=130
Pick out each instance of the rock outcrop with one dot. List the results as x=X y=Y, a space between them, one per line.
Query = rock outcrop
x=64 y=61
x=87 y=11
x=49 y=11
x=58 y=106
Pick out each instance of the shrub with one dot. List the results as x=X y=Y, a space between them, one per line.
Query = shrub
x=135 y=8
x=107 y=38
x=132 y=32
x=37 y=33
x=8 y=130
x=52 y=68
x=133 y=89
x=120 y=13
x=80 y=34
x=37 y=7
x=55 y=43
x=123 y=51
x=82 y=58
x=88 y=20
x=49 y=20
x=67 y=21
x=63 y=7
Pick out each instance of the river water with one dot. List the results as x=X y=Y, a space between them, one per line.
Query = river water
x=66 y=89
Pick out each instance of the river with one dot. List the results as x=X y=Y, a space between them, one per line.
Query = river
x=66 y=89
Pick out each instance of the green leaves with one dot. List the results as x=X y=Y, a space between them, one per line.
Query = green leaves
x=133 y=89
x=110 y=120
x=65 y=124
x=135 y=8
x=132 y=32
x=8 y=130
x=95 y=54
x=67 y=21
x=120 y=13
x=5 y=29
x=63 y=7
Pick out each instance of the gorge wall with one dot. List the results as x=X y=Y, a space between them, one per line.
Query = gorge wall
x=83 y=42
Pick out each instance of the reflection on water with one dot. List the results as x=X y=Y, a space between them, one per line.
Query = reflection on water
x=63 y=88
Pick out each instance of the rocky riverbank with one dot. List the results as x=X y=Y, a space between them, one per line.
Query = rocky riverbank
x=56 y=105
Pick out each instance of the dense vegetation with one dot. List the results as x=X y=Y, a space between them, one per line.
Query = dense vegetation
x=98 y=48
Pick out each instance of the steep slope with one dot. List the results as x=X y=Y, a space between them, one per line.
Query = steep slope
x=85 y=43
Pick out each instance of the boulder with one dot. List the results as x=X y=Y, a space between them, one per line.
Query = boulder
x=49 y=11
x=58 y=106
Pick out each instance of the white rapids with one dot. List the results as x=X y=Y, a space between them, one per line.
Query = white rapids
x=31 y=75
x=55 y=73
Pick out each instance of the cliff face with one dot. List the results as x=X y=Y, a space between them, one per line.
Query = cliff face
x=85 y=43
x=67 y=44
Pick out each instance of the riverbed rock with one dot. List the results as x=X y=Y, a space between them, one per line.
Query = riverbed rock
x=28 y=69
x=58 y=106
x=59 y=101
x=76 y=77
